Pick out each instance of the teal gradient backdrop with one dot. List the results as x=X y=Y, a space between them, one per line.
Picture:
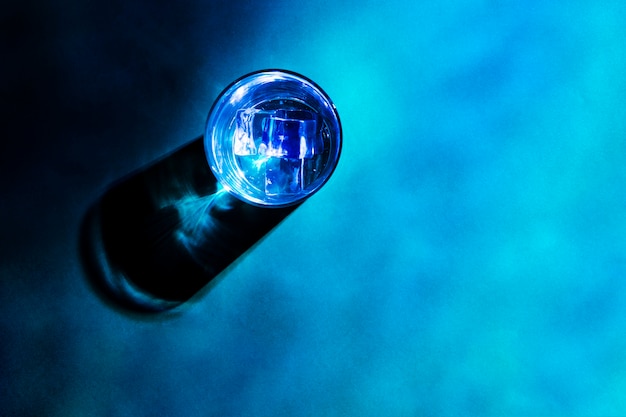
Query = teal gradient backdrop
x=467 y=258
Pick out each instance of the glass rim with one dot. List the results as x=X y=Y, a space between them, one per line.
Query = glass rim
x=222 y=116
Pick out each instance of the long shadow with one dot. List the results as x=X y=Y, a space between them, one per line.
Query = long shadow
x=160 y=235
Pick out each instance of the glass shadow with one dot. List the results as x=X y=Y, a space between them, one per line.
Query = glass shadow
x=157 y=237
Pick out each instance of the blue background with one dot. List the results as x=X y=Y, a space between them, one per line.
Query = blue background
x=466 y=258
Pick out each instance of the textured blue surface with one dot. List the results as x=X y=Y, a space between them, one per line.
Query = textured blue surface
x=467 y=258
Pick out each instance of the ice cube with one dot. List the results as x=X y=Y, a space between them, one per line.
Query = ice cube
x=243 y=143
x=283 y=176
x=292 y=134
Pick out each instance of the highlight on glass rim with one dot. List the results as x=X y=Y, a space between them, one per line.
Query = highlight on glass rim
x=273 y=138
